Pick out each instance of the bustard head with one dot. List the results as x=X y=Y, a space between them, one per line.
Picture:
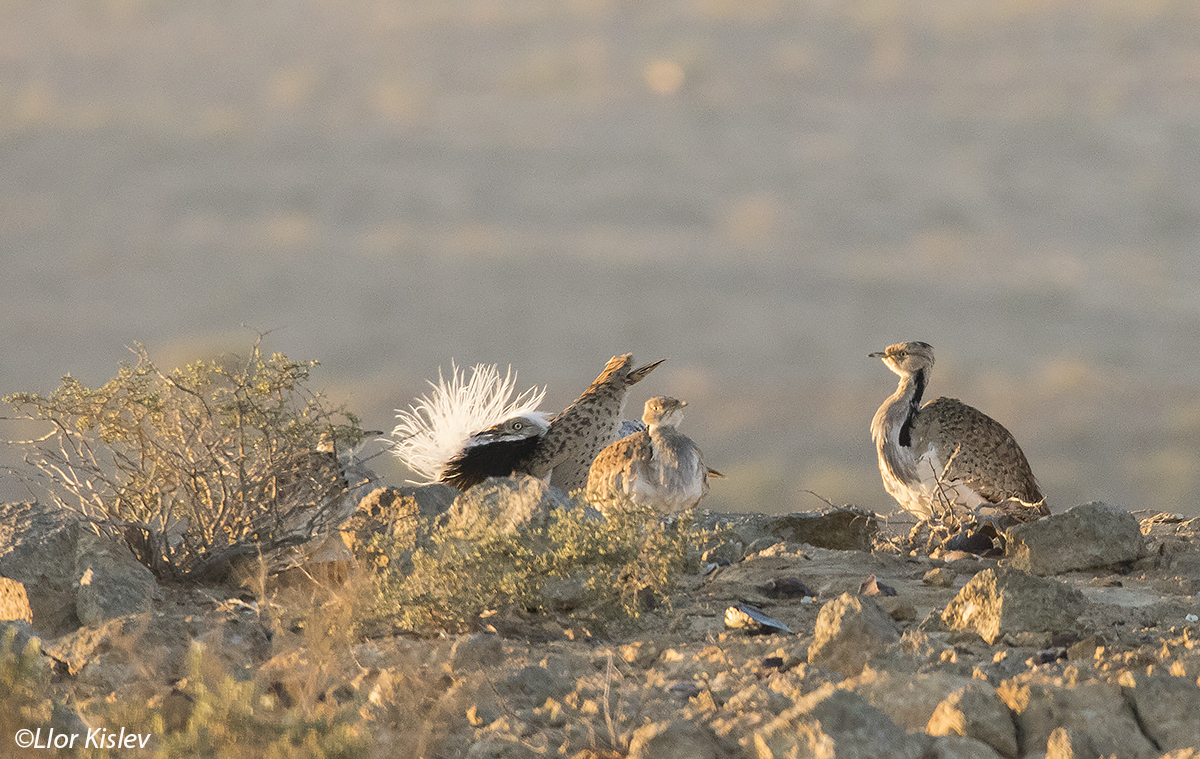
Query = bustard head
x=516 y=429
x=663 y=410
x=907 y=359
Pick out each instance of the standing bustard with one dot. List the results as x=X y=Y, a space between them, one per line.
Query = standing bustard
x=468 y=430
x=945 y=457
x=659 y=466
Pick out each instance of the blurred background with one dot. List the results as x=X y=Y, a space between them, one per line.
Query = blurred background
x=759 y=191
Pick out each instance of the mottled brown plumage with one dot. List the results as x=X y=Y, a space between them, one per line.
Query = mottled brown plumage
x=944 y=455
x=584 y=428
x=659 y=467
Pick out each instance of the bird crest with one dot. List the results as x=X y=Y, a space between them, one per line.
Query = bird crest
x=440 y=423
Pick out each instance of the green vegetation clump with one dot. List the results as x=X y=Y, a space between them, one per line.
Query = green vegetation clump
x=573 y=561
x=236 y=719
x=24 y=684
x=196 y=466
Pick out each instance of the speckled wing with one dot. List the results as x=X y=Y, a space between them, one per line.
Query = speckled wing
x=619 y=467
x=986 y=454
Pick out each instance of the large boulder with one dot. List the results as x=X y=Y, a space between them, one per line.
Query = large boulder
x=112 y=583
x=1000 y=601
x=1088 y=536
x=832 y=722
x=38 y=551
x=502 y=506
x=842 y=529
x=976 y=711
x=1090 y=718
x=1168 y=708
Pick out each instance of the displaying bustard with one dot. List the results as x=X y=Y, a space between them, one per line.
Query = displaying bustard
x=467 y=430
x=945 y=458
x=659 y=466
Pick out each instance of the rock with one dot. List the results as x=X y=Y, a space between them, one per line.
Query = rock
x=640 y=653
x=785 y=587
x=1088 y=536
x=907 y=699
x=727 y=549
x=873 y=587
x=473 y=651
x=564 y=593
x=940 y=577
x=43 y=560
x=1097 y=710
x=532 y=685
x=76 y=649
x=1167 y=707
x=501 y=747
x=112 y=583
x=501 y=506
x=1065 y=743
x=976 y=711
x=14 y=603
x=753 y=620
x=403 y=514
x=851 y=727
x=850 y=629
x=1000 y=601
x=958 y=747
x=842 y=529
x=21 y=633
x=677 y=739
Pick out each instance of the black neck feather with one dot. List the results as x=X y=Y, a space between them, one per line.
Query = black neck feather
x=914 y=405
x=473 y=465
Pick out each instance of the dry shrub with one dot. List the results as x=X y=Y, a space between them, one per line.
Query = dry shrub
x=195 y=467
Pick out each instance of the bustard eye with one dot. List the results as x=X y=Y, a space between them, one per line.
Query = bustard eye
x=517 y=426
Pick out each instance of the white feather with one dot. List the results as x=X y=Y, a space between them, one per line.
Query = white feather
x=438 y=425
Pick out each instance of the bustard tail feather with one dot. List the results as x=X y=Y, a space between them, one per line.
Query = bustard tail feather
x=437 y=426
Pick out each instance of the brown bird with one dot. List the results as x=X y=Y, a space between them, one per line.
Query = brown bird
x=467 y=431
x=945 y=457
x=660 y=467
x=587 y=426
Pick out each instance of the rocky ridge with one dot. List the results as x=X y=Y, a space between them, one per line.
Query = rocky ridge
x=1078 y=642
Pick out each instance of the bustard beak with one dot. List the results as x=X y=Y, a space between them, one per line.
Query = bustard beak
x=639 y=374
x=877 y=354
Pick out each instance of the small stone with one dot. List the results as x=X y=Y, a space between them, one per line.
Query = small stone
x=785 y=587
x=533 y=685
x=684 y=691
x=873 y=587
x=640 y=653
x=940 y=577
x=14 y=603
x=1065 y=743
